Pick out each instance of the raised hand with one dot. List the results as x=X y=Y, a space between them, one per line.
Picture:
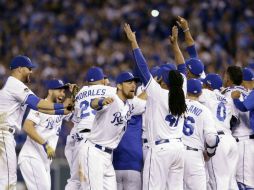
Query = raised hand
x=183 y=23
x=174 y=37
x=129 y=33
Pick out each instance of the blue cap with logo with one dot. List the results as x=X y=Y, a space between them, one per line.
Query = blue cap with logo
x=125 y=77
x=21 y=61
x=194 y=86
x=94 y=74
x=214 y=80
x=248 y=74
x=195 y=66
x=56 y=84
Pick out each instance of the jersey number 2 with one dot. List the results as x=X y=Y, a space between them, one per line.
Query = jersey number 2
x=84 y=112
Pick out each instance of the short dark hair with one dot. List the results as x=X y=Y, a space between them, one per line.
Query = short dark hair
x=235 y=74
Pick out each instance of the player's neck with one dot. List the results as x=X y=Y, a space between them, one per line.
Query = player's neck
x=121 y=96
x=17 y=76
x=192 y=97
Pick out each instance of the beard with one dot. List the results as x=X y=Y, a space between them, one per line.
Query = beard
x=129 y=95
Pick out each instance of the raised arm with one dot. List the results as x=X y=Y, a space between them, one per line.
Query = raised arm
x=183 y=23
x=179 y=59
x=140 y=61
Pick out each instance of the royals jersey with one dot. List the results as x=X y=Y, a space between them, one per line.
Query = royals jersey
x=199 y=126
x=222 y=108
x=243 y=127
x=83 y=114
x=110 y=123
x=48 y=127
x=12 y=102
x=161 y=124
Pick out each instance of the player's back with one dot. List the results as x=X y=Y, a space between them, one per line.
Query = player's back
x=221 y=107
x=12 y=105
x=161 y=124
x=243 y=127
x=199 y=124
x=83 y=114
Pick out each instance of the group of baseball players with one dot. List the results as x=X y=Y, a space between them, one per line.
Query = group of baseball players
x=179 y=129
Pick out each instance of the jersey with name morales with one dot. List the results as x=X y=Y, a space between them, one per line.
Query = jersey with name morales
x=110 y=123
x=200 y=123
x=12 y=102
x=48 y=127
x=83 y=113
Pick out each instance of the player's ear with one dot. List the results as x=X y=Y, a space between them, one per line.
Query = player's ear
x=119 y=87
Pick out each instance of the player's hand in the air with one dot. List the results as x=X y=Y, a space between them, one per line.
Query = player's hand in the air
x=174 y=37
x=235 y=94
x=183 y=23
x=130 y=34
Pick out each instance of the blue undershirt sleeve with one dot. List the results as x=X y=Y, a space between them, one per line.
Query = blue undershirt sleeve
x=141 y=66
x=32 y=101
x=239 y=105
x=192 y=51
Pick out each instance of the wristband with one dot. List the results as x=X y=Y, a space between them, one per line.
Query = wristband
x=100 y=102
x=59 y=112
x=187 y=29
x=58 y=106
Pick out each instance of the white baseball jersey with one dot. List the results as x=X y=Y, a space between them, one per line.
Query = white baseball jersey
x=161 y=124
x=48 y=127
x=243 y=129
x=201 y=126
x=12 y=105
x=222 y=108
x=83 y=114
x=110 y=123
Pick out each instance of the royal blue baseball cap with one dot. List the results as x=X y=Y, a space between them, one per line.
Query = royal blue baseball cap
x=21 y=61
x=195 y=66
x=214 y=80
x=169 y=66
x=194 y=86
x=56 y=84
x=125 y=77
x=248 y=74
x=94 y=74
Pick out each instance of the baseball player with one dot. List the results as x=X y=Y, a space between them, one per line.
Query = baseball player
x=128 y=156
x=43 y=131
x=164 y=163
x=83 y=119
x=109 y=125
x=15 y=96
x=222 y=166
x=244 y=135
x=242 y=131
x=199 y=130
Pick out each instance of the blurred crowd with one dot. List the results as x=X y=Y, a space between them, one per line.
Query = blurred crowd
x=64 y=38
